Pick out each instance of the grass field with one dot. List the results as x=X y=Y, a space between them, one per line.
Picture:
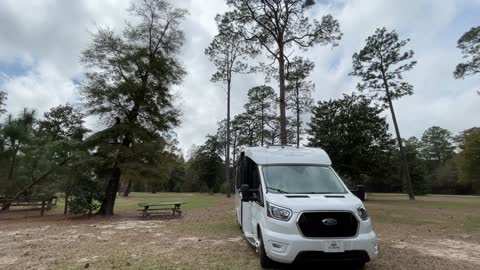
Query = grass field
x=433 y=232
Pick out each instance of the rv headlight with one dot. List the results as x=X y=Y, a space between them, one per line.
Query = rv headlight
x=277 y=212
x=362 y=212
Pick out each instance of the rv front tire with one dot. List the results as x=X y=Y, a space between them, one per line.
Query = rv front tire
x=265 y=261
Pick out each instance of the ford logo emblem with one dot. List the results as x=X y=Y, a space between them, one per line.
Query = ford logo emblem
x=329 y=221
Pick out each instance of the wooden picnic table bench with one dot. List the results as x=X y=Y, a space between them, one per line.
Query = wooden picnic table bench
x=28 y=204
x=148 y=208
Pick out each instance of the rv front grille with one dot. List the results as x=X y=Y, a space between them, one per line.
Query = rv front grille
x=328 y=224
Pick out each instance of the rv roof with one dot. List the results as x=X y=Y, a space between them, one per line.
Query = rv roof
x=287 y=155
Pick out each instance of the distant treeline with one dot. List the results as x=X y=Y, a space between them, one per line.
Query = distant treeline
x=128 y=82
x=356 y=136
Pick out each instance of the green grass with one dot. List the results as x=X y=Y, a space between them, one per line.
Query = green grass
x=429 y=201
x=191 y=200
x=461 y=212
x=449 y=211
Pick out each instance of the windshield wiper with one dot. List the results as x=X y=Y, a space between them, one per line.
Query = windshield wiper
x=277 y=190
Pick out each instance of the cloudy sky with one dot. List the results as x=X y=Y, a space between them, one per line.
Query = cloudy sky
x=41 y=41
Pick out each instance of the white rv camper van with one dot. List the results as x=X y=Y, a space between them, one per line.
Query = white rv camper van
x=292 y=206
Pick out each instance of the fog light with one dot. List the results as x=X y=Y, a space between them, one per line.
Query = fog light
x=278 y=247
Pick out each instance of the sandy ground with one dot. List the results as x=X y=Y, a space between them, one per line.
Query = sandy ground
x=201 y=239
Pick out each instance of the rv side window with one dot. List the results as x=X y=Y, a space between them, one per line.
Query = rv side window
x=252 y=177
x=239 y=171
x=249 y=173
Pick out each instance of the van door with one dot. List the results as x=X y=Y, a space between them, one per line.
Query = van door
x=238 y=201
x=257 y=207
x=247 y=219
x=244 y=212
x=247 y=177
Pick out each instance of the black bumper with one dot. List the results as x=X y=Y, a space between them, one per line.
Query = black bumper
x=350 y=256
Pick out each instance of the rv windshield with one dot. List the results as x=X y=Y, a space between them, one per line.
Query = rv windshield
x=304 y=179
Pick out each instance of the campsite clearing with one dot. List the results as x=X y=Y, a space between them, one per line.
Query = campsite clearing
x=434 y=232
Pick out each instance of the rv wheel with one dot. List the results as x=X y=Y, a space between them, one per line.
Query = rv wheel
x=265 y=261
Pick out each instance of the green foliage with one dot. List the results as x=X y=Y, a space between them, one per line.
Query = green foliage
x=33 y=162
x=380 y=65
x=469 y=160
x=261 y=107
x=238 y=136
x=62 y=122
x=85 y=195
x=224 y=187
x=284 y=24
x=444 y=179
x=129 y=83
x=17 y=134
x=228 y=51
x=299 y=91
x=177 y=178
x=416 y=166
x=206 y=163
x=277 y=27
x=3 y=98
x=469 y=44
x=248 y=129
x=437 y=145
x=354 y=135
x=437 y=153
x=132 y=73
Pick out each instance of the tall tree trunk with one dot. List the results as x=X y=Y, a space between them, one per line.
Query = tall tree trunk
x=262 y=123
x=108 y=203
x=283 y=116
x=13 y=161
x=262 y=131
x=106 y=209
x=250 y=133
x=298 y=115
x=406 y=172
x=65 y=209
x=129 y=187
x=227 y=151
x=234 y=154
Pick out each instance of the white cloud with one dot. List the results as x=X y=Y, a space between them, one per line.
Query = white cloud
x=46 y=38
x=439 y=99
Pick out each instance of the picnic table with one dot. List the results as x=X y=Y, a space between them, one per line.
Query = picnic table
x=150 y=208
x=27 y=204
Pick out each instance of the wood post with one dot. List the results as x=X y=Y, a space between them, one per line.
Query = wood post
x=43 y=208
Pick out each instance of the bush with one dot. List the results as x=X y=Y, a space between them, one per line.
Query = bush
x=224 y=187
x=203 y=188
x=85 y=196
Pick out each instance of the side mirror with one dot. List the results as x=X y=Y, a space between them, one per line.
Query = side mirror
x=360 y=193
x=248 y=195
x=243 y=188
